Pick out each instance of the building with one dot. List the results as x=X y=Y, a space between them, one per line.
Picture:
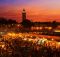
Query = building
x=37 y=26
x=23 y=15
x=25 y=22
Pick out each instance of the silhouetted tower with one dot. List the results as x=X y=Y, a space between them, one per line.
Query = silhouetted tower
x=23 y=15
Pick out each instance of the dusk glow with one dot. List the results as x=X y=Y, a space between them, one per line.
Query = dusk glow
x=29 y=28
x=37 y=10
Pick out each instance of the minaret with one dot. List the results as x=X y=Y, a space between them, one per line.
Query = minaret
x=23 y=15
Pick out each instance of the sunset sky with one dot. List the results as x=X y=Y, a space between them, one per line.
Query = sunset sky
x=37 y=10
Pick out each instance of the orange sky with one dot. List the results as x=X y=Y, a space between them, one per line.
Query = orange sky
x=37 y=10
x=33 y=14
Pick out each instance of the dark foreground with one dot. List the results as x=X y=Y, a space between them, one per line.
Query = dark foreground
x=19 y=48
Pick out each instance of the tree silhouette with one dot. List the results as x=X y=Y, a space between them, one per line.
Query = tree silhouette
x=26 y=23
x=54 y=24
x=5 y=21
x=10 y=21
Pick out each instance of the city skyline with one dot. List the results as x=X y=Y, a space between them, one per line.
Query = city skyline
x=37 y=10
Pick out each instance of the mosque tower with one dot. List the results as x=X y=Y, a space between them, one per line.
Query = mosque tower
x=23 y=15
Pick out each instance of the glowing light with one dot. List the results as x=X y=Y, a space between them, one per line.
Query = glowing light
x=13 y=34
x=57 y=31
x=49 y=28
x=9 y=34
x=42 y=41
x=30 y=39
x=3 y=46
x=59 y=43
x=41 y=28
x=37 y=28
x=18 y=25
x=52 y=39
x=25 y=39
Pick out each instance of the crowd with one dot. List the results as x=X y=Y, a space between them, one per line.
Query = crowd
x=20 y=48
